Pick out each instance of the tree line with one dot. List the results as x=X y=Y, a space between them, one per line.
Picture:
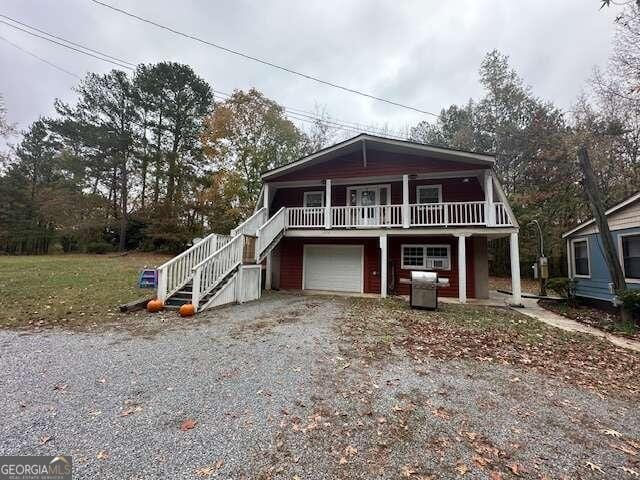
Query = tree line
x=150 y=160
x=146 y=160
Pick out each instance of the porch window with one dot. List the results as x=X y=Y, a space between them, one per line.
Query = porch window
x=313 y=199
x=581 y=267
x=429 y=194
x=426 y=257
x=631 y=256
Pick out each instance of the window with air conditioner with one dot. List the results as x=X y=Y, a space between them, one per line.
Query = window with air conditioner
x=426 y=257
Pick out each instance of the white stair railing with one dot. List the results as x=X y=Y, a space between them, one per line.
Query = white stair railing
x=268 y=232
x=209 y=273
x=251 y=225
x=177 y=272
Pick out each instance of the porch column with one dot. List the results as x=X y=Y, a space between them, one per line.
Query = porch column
x=516 y=291
x=489 y=216
x=405 y=202
x=267 y=277
x=265 y=198
x=462 y=268
x=327 y=203
x=383 y=266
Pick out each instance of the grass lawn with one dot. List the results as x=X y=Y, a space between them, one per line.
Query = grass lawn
x=69 y=289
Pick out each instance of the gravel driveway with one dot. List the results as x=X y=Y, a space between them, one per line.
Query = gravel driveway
x=275 y=393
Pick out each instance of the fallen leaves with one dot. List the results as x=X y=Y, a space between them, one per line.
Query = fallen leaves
x=593 y=467
x=102 y=455
x=210 y=470
x=188 y=424
x=630 y=471
x=440 y=412
x=131 y=410
x=623 y=448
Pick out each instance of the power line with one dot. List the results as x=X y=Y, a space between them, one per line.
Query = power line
x=68 y=41
x=57 y=67
x=262 y=61
x=302 y=115
x=294 y=113
x=66 y=46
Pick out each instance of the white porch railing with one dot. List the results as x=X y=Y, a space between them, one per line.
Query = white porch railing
x=446 y=214
x=305 y=217
x=501 y=214
x=369 y=216
x=251 y=225
x=177 y=272
x=209 y=272
x=420 y=215
x=268 y=232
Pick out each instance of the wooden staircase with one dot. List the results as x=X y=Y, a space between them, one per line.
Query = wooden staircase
x=210 y=273
x=184 y=295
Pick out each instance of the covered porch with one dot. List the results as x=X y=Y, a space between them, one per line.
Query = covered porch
x=375 y=261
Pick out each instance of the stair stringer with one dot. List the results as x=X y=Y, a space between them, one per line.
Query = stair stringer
x=226 y=294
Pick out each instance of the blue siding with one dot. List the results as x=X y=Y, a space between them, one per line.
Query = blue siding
x=598 y=285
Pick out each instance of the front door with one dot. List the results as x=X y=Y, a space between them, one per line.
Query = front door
x=368 y=199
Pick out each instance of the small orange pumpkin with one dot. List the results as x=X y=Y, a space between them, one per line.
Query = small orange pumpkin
x=154 y=306
x=187 y=310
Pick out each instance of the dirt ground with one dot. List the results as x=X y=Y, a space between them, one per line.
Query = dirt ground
x=302 y=387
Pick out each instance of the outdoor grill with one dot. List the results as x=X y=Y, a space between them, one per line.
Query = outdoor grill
x=424 y=289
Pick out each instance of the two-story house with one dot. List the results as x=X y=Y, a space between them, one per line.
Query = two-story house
x=360 y=215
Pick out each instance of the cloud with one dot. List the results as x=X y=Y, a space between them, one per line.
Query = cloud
x=422 y=53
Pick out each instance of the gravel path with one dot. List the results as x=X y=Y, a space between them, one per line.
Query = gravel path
x=275 y=394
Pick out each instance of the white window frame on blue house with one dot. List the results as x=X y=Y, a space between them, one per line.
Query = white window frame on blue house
x=621 y=255
x=573 y=257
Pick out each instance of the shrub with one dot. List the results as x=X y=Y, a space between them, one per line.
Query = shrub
x=631 y=300
x=99 y=247
x=563 y=286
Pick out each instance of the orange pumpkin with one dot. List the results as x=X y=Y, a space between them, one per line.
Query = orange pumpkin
x=154 y=306
x=187 y=310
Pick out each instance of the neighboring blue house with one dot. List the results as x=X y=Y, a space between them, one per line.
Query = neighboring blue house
x=584 y=251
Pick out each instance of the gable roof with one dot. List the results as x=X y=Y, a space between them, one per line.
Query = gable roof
x=613 y=209
x=383 y=143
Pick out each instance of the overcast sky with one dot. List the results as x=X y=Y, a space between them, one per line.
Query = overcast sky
x=421 y=53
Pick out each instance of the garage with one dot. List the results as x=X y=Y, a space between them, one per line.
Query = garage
x=336 y=268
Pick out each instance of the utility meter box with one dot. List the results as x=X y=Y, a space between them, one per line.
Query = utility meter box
x=544 y=267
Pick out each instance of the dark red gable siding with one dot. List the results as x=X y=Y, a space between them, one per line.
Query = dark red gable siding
x=291 y=256
x=378 y=163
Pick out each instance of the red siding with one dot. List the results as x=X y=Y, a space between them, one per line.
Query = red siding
x=394 y=249
x=453 y=190
x=291 y=251
x=378 y=163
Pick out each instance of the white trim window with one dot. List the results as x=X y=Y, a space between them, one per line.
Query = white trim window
x=428 y=194
x=629 y=249
x=581 y=263
x=314 y=199
x=426 y=257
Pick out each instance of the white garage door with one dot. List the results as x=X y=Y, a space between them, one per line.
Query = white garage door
x=336 y=268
